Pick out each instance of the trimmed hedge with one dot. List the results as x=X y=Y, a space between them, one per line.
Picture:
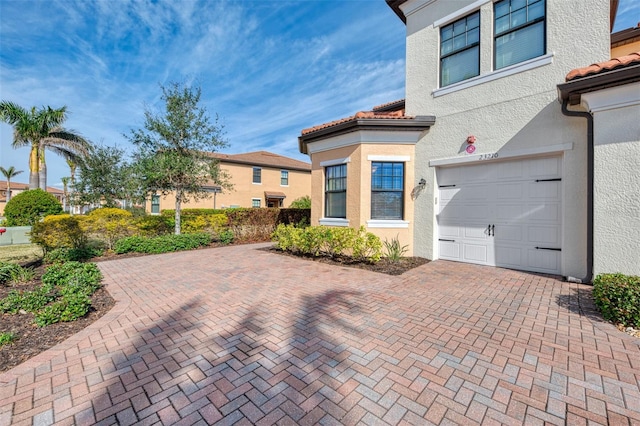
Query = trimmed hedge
x=28 y=207
x=357 y=244
x=162 y=243
x=59 y=231
x=618 y=298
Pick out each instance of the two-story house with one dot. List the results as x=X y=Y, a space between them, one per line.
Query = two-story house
x=259 y=179
x=488 y=160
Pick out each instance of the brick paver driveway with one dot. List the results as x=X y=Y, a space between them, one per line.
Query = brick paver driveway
x=241 y=336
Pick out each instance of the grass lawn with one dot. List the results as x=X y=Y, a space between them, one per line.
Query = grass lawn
x=20 y=253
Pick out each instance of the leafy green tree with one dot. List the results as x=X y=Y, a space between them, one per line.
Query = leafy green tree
x=173 y=148
x=42 y=129
x=29 y=207
x=106 y=178
x=301 y=203
x=9 y=174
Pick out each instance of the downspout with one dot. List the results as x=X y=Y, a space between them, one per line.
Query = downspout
x=590 y=172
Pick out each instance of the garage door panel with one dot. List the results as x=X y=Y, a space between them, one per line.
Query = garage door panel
x=510 y=191
x=541 y=168
x=476 y=253
x=544 y=261
x=450 y=250
x=509 y=256
x=544 y=213
x=522 y=201
x=508 y=233
x=544 y=235
x=544 y=190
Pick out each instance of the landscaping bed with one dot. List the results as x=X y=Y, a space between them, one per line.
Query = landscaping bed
x=31 y=339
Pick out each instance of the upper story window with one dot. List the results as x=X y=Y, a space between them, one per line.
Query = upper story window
x=387 y=190
x=460 y=50
x=335 y=196
x=519 y=27
x=257 y=175
x=284 y=177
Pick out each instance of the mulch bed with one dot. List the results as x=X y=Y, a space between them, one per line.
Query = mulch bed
x=31 y=339
x=384 y=266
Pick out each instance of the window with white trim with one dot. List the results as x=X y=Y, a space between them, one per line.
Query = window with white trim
x=460 y=50
x=257 y=175
x=387 y=190
x=155 y=204
x=335 y=195
x=284 y=177
x=255 y=202
x=519 y=31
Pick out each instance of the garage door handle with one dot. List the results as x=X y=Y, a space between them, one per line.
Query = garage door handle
x=549 y=248
x=493 y=229
x=448 y=241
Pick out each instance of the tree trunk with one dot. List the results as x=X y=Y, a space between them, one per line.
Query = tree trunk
x=34 y=179
x=8 y=189
x=42 y=169
x=177 y=217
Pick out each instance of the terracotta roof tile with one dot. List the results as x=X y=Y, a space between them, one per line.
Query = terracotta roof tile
x=379 y=112
x=17 y=186
x=605 y=66
x=263 y=158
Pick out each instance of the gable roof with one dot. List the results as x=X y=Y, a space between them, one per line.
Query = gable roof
x=263 y=159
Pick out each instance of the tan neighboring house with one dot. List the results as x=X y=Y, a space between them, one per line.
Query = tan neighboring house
x=17 y=187
x=259 y=179
x=506 y=151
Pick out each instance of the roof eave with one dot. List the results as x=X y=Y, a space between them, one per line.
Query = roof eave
x=395 y=6
x=571 y=90
x=417 y=123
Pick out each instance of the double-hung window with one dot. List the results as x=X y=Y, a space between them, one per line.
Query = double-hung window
x=387 y=190
x=255 y=202
x=335 y=195
x=155 y=204
x=519 y=31
x=257 y=175
x=460 y=50
x=284 y=177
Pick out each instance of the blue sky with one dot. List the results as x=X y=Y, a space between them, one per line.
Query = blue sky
x=268 y=68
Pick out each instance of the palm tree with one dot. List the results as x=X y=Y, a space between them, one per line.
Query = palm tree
x=42 y=129
x=72 y=167
x=9 y=174
x=65 y=185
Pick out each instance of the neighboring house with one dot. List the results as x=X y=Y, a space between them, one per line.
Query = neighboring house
x=487 y=159
x=17 y=187
x=259 y=179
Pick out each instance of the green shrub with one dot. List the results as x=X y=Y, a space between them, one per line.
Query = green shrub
x=393 y=250
x=80 y=277
x=69 y=308
x=8 y=271
x=30 y=301
x=28 y=207
x=225 y=237
x=109 y=225
x=162 y=244
x=618 y=298
x=301 y=203
x=72 y=254
x=6 y=338
x=329 y=241
x=153 y=225
x=60 y=231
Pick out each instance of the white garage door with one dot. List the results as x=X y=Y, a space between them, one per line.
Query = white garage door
x=504 y=214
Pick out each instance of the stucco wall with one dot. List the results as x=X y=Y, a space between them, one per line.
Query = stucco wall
x=617 y=183
x=359 y=187
x=244 y=190
x=507 y=113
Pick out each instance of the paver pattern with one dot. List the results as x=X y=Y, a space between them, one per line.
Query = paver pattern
x=241 y=336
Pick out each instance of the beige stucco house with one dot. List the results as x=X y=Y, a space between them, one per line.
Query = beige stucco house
x=489 y=158
x=17 y=187
x=259 y=179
